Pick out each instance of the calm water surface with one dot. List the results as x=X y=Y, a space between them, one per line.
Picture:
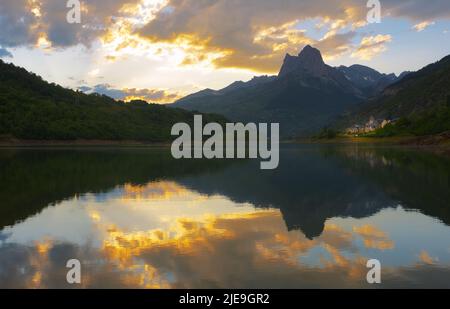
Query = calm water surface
x=136 y=218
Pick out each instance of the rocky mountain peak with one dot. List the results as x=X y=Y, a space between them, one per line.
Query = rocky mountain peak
x=311 y=54
x=309 y=60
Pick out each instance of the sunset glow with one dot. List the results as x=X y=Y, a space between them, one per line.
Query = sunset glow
x=171 y=48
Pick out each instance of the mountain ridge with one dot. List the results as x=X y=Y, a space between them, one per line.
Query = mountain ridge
x=305 y=95
x=419 y=103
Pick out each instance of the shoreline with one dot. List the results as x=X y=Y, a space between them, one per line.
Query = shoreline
x=436 y=143
x=441 y=140
x=17 y=143
x=439 y=144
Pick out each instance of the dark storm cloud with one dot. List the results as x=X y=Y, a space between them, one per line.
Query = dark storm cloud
x=16 y=22
x=22 y=22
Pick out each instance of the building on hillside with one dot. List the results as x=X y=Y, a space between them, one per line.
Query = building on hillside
x=370 y=126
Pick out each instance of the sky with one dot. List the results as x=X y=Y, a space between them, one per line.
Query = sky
x=162 y=50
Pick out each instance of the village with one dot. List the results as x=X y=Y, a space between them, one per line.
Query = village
x=371 y=126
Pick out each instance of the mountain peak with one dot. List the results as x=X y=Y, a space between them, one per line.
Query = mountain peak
x=310 y=53
x=308 y=60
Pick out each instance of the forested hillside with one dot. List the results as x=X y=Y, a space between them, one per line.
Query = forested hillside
x=33 y=109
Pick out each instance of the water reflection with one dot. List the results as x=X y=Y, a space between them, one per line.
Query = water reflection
x=136 y=218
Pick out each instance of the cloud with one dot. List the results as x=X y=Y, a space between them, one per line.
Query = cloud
x=247 y=250
x=374 y=238
x=249 y=34
x=335 y=45
x=16 y=21
x=108 y=90
x=84 y=89
x=151 y=95
x=425 y=258
x=126 y=94
x=4 y=53
x=97 y=17
x=24 y=22
x=422 y=26
x=257 y=36
x=417 y=10
x=372 y=46
x=256 y=33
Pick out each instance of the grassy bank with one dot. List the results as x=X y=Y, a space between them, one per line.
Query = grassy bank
x=438 y=144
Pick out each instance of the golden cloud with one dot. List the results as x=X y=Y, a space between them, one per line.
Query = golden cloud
x=248 y=34
x=257 y=36
x=161 y=96
x=426 y=258
x=422 y=26
x=219 y=246
x=335 y=45
x=151 y=95
x=162 y=190
x=374 y=238
x=234 y=250
x=372 y=46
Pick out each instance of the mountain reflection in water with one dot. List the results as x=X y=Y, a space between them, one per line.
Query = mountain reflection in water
x=137 y=218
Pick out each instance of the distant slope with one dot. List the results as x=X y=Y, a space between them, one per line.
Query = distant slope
x=299 y=109
x=370 y=81
x=31 y=108
x=422 y=99
x=306 y=95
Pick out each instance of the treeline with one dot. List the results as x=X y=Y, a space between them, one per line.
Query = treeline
x=33 y=109
x=44 y=175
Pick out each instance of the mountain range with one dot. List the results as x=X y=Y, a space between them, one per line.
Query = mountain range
x=305 y=96
x=421 y=100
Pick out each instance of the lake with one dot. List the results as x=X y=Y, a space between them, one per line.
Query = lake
x=136 y=218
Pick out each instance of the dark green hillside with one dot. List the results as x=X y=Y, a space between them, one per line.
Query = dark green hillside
x=430 y=122
x=420 y=102
x=33 y=109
